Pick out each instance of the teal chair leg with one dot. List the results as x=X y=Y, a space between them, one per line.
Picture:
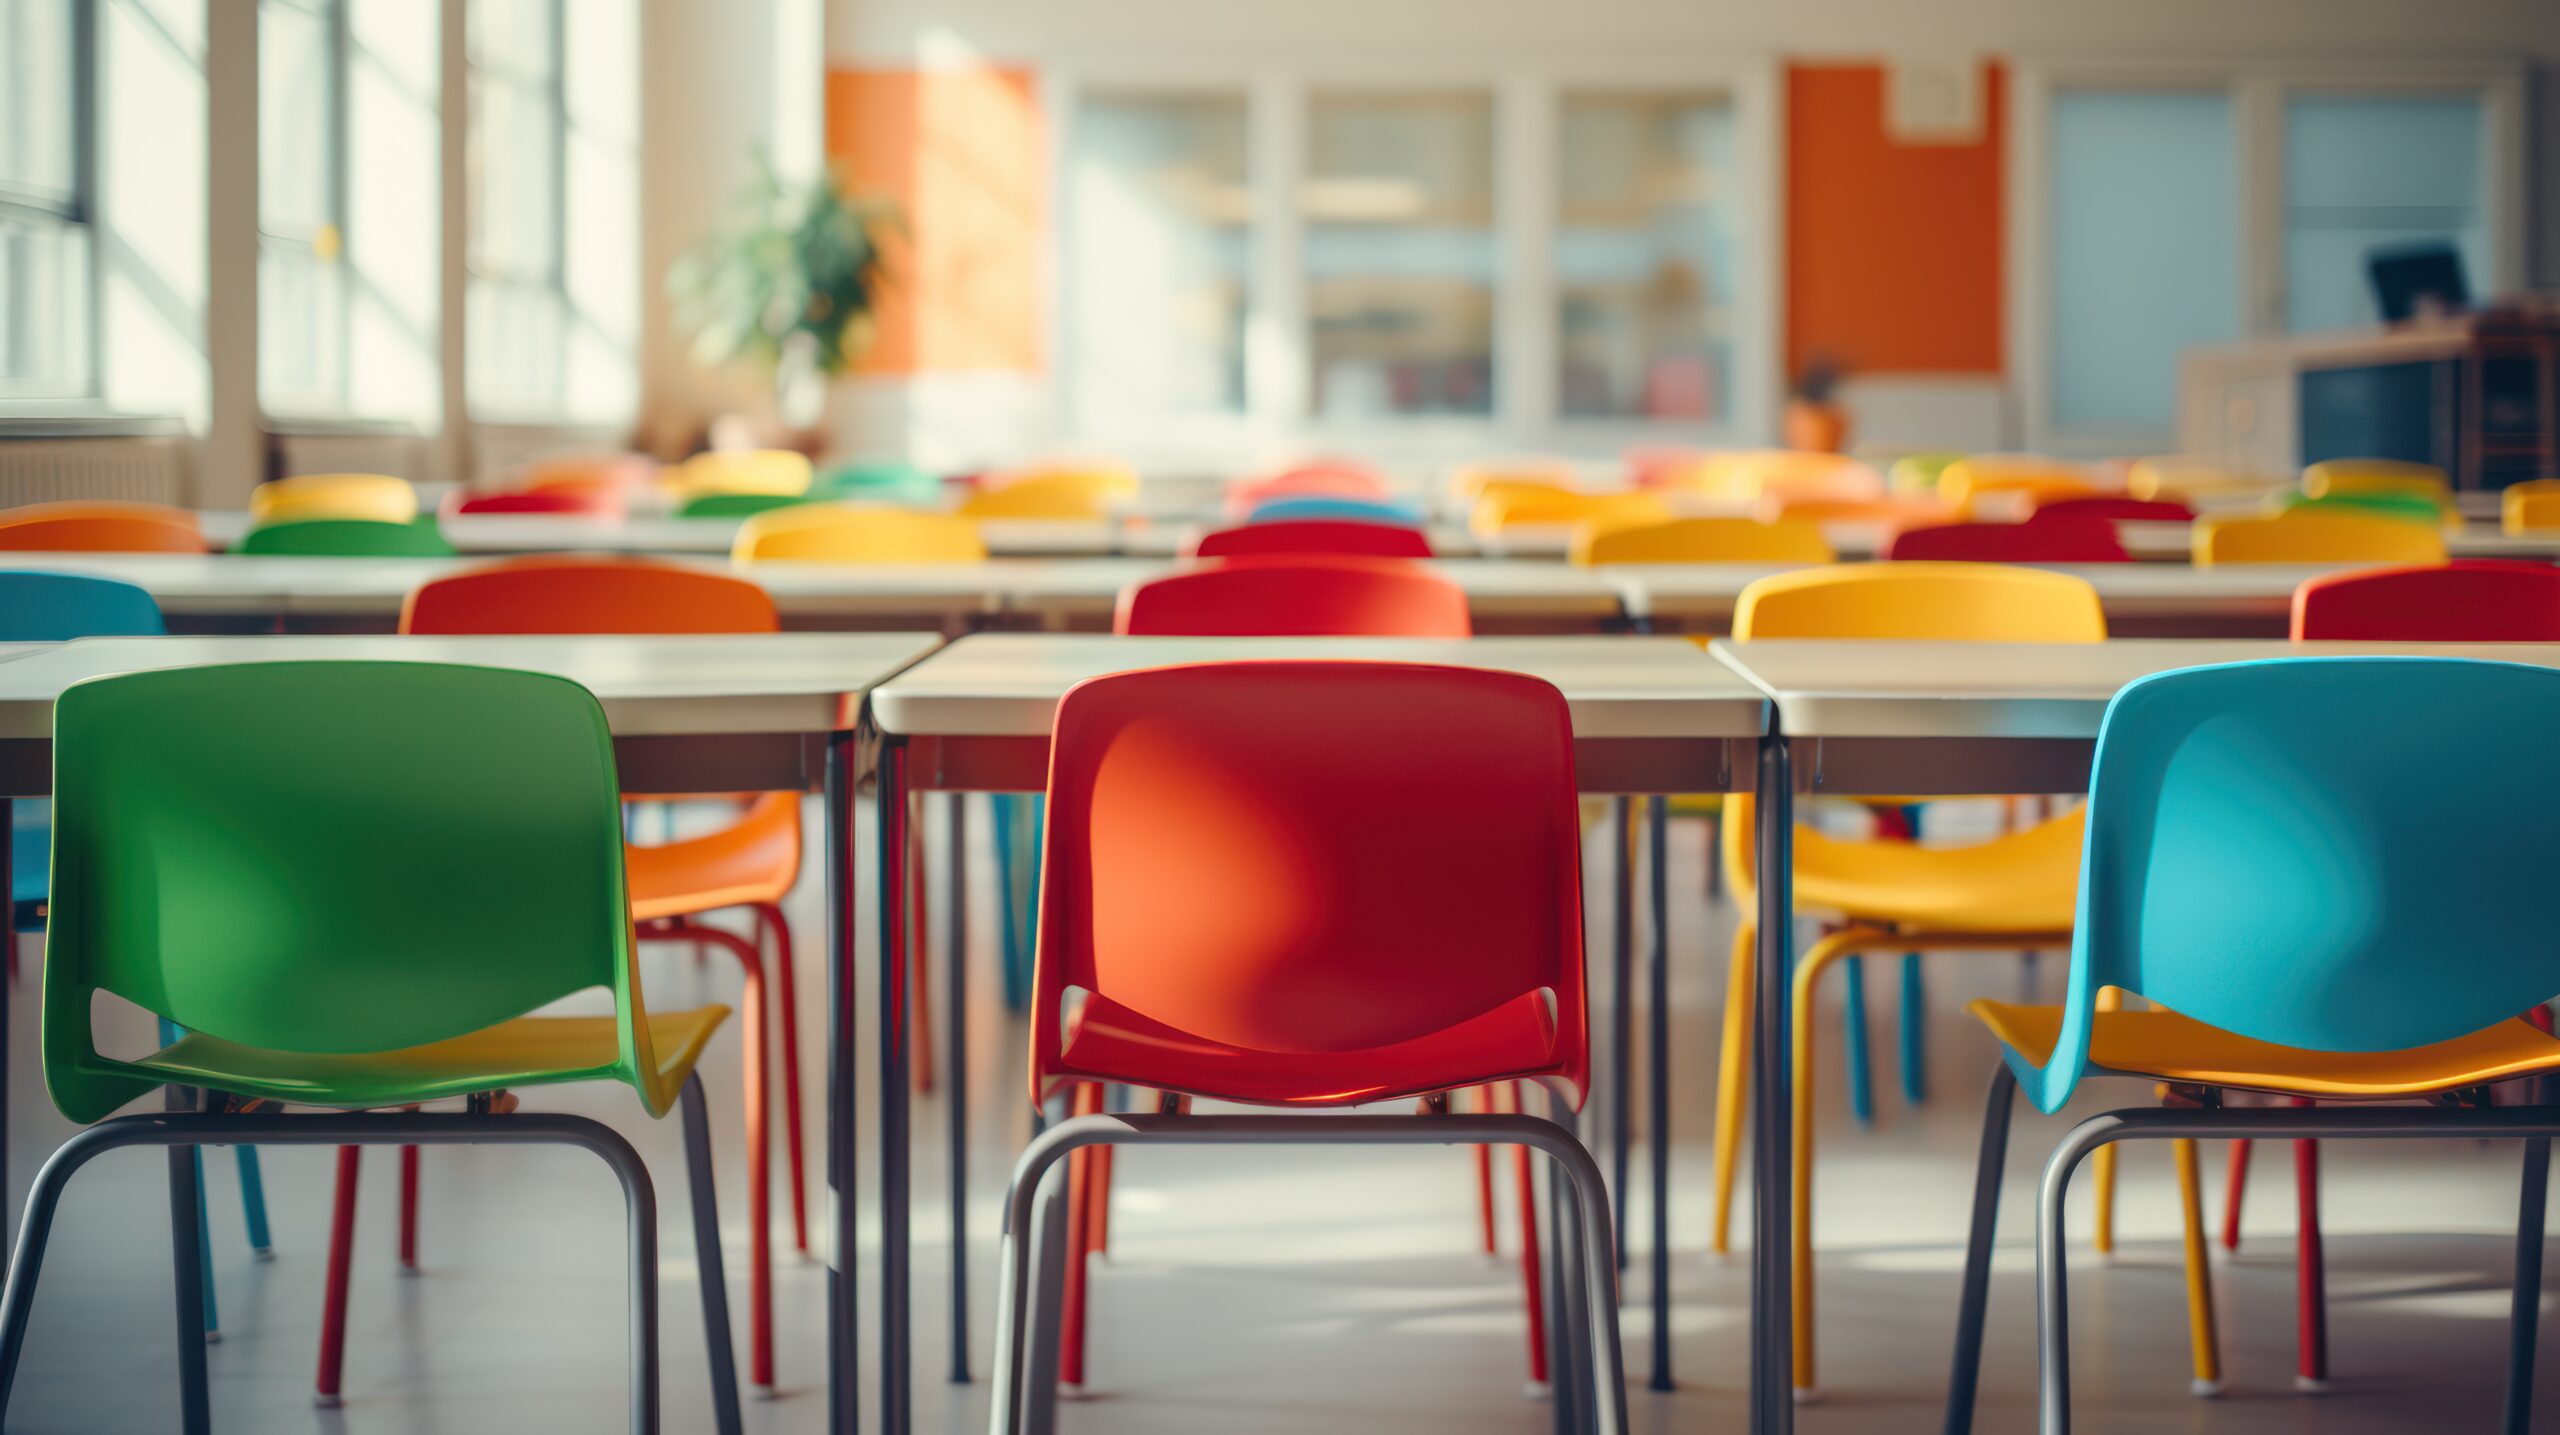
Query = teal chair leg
x=1915 y=1031
x=253 y=1204
x=1017 y=991
x=1031 y=892
x=1853 y=1015
x=204 y=1250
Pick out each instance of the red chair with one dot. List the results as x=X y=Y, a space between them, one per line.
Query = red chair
x=751 y=863
x=2471 y=600
x=1304 y=884
x=1329 y=479
x=2114 y=510
x=1312 y=536
x=2055 y=540
x=1297 y=597
x=571 y=500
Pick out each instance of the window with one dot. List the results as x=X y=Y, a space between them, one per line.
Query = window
x=553 y=213
x=302 y=311
x=45 y=252
x=2369 y=173
x=1161 y=214
x=1402 y=256
x=1645 y=256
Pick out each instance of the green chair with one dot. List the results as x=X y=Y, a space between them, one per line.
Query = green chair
x=202 y=872
x=736 y=505
x=348 y=538
x=2409 y=506
x=879 y=481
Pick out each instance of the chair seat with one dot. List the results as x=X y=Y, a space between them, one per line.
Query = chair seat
x=2022 y=882
x=755 y=859
x=2165 y=1046
x=529 y=1051
x=1110 y=1042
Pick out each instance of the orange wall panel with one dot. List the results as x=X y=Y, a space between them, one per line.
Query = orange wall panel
x=961 y=153
x=1894 y=250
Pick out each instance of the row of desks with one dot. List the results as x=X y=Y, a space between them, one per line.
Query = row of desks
x=212 y=591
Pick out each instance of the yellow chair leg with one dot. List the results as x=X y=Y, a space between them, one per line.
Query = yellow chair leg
x=2103 y=1228
x=2201 y=1335
x=1733 y=1076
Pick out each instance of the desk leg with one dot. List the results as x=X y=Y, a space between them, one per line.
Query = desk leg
x=844 y=1350
x=1772 y=1339
x=1622 y=1009
x=8 y=873
x=894 y=965
x=1658 y=1109
x=955 y=1088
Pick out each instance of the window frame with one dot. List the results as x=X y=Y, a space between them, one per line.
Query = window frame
x=1279 y=414
x=2259 y=91
x=76 y=210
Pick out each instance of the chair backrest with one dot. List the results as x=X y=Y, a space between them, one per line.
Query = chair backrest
x=602 y=470
x=2527 y=507
x=600 y=594
x=2380 y=503
x=1901 y=511
x=1335 y=508
x=203 y=869
x=2114 y=510
x=1060 y=496
x=2376 y=475
x=2177 y=475
x=2044 y=540
x=1981 y=602
x=879 y=481
x=1297 y=597
x=1701 y=540
x=378 y=497
x=735 y=505
x=1747 y=474
x=1468 y=482
x=2315 y=535
x=1496 y=512
x=754 y=470
x=348 y=538
x=1918 y=472
x=1331 y=480
x=1969 y=479
x=1313 y=536
x=1312 y=857
x=2271 y=851
x=2475 y=600
x=87 y=526
x=567 y=500
x=852 y=533
x=48 y=607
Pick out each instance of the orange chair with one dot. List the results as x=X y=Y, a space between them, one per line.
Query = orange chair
x=604 y=470
x=86 y=526
x=752 y=863
x=1305 y=884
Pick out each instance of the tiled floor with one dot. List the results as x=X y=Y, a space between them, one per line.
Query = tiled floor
x=1292 y=1290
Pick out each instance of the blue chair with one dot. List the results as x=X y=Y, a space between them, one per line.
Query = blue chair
x=2332 y=875
x=1327 y=506
x=51 y=607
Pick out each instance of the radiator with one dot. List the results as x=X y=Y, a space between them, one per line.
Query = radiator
x=139 y=470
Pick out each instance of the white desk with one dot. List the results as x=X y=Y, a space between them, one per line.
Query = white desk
x=665 y=533
x=759 y=712
x=2173 y=542
x=2141 y=599
x=1502 y=596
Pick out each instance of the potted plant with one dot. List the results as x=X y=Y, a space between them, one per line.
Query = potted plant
x=1815 y=420
x=787 y=282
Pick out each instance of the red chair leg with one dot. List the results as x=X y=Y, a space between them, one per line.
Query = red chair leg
x=1081 y=1191
x=1532 y=1292
x=333 y=1309
x=789 y=1016
x=409 y=1210
x=919 y=959
x=2231 y=1198
x=1484 y=1179
x=2311 y=1278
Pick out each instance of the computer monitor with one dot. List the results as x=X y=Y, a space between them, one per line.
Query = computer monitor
x=2406 y=280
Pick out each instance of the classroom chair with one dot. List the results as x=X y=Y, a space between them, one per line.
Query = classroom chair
x=2264 y=795
x=348 y=538
x=1347 y=537
x=2376 y=475
x=2408 y=507
x=857 y=533
x=47 y=607
x=562 y=500
x=1468 y=482
x=878 y=481
x=2195 y=480
x=748 y=865
x=1658 y=465
x=1917 y=472
x=2029 y=478
x=1063 y=497
x=204 y=873
x=2532 y=506
x=2469 y=600
x=754 y=470
x=2113 y=509
x=1297 y=596
x=2011 y=892
x=1498 y=512
x=2039 y=540
x=1896 y=512
x=1745 y=475
x=2314 y=535
x=1331 y=479
x=377 y=497
x=1700 y=540
x=1390 y=979
x=736 y=505
x=1333 y=508
x=621 y=471
x=98 y=526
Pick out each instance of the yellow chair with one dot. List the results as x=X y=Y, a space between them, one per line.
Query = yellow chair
x=2530 y=507
x=755 y=470
x=1067 y=496
x=373 y=497
x=2315 y=535
x=1699 y=540
x=1965 y=482
x=1497 y=511
x=2339 y=476
x=1745 y=475
x=2184 y=477
x=853 y=533
x=2017 y=890
x=1471 y=481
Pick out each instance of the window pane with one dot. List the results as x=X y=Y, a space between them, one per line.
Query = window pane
x=297 y=106
x=1401 y=255
x=2375 y=172
x=515 y=181
x=44 y=307
x=2146 y=249
x=300 y=328
x=1645 y=256
x=36 y=98
x=1161 y=217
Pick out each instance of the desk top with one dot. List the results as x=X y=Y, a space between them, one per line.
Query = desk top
x=665 y=533
x=1008 y=685
x=649 y=686
x=1999 y=691
x=1674 y=590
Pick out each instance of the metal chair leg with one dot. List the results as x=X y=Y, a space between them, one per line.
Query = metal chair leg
x=1622 y=1011
x=186 y=1233
x=2523 y=1322
x=1973 y=1307
x=1049 y=1260
x=706 y=1254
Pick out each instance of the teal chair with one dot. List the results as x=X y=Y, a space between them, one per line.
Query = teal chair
x=879 y=481
x=2333 y=877
x=1330 y=507
x=47 y=607
x=348 y=538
